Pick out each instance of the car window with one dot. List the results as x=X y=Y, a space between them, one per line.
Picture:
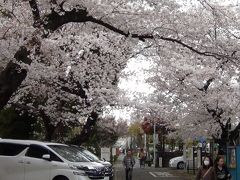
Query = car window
x=36 y=151
x=54 y=157
x=11 y=149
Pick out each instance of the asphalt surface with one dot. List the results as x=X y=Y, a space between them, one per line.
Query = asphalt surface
x=151 y=173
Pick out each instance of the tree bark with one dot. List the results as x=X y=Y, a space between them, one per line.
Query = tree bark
x=49 y=127
x=87 y=130
x=13 y=75
x=10 y=79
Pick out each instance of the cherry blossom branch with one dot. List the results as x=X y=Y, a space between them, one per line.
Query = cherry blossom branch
x=206 y=85
x=55 y=20
x=36 y=13
x=80 y=15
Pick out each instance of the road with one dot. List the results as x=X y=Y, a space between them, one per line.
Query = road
x=150 y=173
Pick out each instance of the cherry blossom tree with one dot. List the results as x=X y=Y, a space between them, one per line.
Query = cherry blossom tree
x=197 y=93
x=41 y=20
x=64 y=56
x=106 y=132
x=206 y=90
x=69 y=68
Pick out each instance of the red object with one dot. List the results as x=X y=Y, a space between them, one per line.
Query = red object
x=147 y=126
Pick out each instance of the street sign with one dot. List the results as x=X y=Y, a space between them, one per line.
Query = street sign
x=204 y=145
x=202 y=139
x=105 y=154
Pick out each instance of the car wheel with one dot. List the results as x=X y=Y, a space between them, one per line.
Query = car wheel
x=60 y=178
x=180 y=165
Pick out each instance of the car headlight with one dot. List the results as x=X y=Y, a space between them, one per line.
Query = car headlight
x=91 y=172
x=79 y=170
x=83 y=168
x=79 y=173
x=72 y=167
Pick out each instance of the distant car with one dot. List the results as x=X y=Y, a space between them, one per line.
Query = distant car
x=177 y=162
x=180 y=163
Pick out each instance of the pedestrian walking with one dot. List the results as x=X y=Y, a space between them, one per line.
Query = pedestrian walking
x=221 y=170
x=142 y=158
x=128 y=163
x=206 y=171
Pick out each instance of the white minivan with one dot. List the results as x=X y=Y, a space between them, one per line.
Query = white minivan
x=93 y=157
x=34 y=160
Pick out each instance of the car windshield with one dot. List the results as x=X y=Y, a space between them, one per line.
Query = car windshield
x=69 y=153
x=88 y=154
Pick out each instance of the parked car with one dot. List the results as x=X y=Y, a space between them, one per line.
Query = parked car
x=34 y=160
x=180 y=163
x=177 y=162
x=92 y=157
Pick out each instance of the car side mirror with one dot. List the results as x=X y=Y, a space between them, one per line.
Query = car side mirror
x=104 y=159
x=46 y=157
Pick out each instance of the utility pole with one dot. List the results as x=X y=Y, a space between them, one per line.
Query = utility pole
x=145 y=141
x=154 y=142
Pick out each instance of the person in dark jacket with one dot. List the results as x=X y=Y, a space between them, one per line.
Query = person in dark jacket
x=142 y=158
x=221 y=170
x=128 y=163
x=206 y=171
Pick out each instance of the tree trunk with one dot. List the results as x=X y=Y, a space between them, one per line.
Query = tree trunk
x=224 y=140
x=87 y=130
x=50 y=129
x=10 y=79
x=12 y=76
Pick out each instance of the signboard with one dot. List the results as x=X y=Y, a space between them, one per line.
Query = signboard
x=232 y=158
x=114 y=151
x=199 y=157
x=105 y=154
x=185 y=153
x=189 y=154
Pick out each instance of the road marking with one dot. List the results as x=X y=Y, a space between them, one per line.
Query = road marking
x=152 y=174
x=161 y=174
